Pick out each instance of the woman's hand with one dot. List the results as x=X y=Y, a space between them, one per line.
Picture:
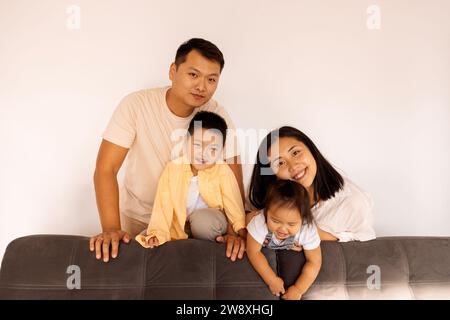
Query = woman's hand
x=101 y=243
x=296 y=247
x=292 y=293
x=276 y=286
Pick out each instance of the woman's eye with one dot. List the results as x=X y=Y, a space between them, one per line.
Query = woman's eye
x=296 y=153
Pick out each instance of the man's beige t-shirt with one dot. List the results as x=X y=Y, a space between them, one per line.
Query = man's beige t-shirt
x=144 y=124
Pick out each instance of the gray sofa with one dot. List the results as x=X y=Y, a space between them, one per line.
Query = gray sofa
x=36 y=267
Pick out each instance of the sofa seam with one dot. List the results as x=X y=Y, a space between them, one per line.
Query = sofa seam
x=214 y=273
x=344 y=269
x=406 y=264
x=144 y=274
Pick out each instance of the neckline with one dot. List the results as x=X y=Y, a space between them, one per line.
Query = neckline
x=170 y=113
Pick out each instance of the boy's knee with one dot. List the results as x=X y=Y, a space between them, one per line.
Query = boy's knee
x=207 y=224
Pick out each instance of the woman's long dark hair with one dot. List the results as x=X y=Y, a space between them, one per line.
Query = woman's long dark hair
x=326 y=182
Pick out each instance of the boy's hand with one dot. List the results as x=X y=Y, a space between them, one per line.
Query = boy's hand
x=276 y=286
x=153 y=242
x=235 y=245
x=101 y=242
x=292 y=293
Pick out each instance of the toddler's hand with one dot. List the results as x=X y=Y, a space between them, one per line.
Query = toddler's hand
x=292 y=293
x=276 y=286
x=153 y=242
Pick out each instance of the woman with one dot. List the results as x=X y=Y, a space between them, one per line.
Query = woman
x=342 y=211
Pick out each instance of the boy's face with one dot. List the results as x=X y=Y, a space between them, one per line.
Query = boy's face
x=195 y=80
x=283 y=222
x=205 y=148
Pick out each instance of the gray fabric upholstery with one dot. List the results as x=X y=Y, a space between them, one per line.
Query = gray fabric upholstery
x=34 y=267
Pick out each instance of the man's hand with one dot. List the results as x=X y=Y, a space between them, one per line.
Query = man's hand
x=101 y=242
x=292 y=293
x=235 y=245
x=276 y=286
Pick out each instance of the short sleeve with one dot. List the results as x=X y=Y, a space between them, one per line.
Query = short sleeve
x=257 y=228
x=121 y=129
x=309 y=237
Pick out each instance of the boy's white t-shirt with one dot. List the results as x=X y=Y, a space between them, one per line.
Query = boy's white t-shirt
x=144 y=124
x=194 y=199
x=307 y=236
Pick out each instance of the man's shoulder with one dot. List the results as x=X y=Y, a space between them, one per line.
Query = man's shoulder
x=212 y=106
x=144 y=97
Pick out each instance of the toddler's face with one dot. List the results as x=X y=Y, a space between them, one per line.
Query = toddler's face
x=283 y=222
x=206 y=147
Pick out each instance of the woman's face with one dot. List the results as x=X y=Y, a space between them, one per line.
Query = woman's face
x=290 y=159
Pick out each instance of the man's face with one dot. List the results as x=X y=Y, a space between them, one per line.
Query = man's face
x=195 y=80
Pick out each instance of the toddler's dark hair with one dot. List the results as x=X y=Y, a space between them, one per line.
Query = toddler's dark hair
x=289 y=194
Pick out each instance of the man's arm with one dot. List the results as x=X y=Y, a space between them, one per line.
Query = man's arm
x=235 y=243
x=109 y=160
x=235 y=166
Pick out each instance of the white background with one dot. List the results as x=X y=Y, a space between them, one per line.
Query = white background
x=376 y=102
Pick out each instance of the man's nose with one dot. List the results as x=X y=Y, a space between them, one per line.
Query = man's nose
x=201 y=87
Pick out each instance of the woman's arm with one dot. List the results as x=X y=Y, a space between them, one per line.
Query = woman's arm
x=309 y=273
x=326 y=236
x=261 y=265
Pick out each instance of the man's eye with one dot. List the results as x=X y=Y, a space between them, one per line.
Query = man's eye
x=193 y=75
x=212 y=80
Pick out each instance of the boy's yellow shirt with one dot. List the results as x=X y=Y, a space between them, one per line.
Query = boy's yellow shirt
x=217 y=186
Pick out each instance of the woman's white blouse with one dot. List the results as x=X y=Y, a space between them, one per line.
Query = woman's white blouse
x=348 y=215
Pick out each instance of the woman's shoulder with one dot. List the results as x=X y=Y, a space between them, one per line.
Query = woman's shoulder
x=350 y=195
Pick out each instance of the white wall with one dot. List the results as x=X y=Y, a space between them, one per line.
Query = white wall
x=376 y=102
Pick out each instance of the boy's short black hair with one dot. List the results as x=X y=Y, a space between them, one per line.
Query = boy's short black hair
x=289 y=194
x=207 y=49
x=209 y=120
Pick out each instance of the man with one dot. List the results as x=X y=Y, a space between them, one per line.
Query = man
x=144 y=127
